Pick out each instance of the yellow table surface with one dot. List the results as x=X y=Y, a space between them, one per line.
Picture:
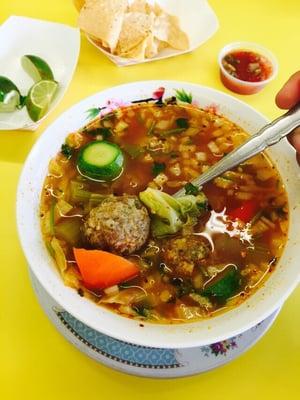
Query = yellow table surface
x=36 y=361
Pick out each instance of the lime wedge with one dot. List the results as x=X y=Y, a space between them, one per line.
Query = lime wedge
x=6 y=85
x=10 y=101
x=37 y=68
x=39 y=98
x=9 y=95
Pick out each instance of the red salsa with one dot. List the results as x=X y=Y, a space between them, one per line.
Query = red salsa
x=247 y=66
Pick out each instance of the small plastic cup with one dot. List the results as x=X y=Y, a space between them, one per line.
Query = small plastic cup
x=240 y=86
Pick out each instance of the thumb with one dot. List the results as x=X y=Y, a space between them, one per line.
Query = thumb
x=289 y=94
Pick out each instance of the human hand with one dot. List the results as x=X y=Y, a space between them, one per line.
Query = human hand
x=286 y=98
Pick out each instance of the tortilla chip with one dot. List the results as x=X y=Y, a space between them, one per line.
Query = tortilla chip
x=99 y=43
x=161 y=45
x=136 y=27
x=140 y=6
x=157 y=9
x=151 y=49
x=166 y=28
x=137 y=52
x=78 y=4
x=102 y=19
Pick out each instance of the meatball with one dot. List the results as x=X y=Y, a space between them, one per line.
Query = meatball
x=183 y=254
x=118 y=224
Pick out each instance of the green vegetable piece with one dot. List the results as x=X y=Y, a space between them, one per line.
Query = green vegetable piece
x=79 y=194
x=50 y=249
x=224 y=285
x=133 y=150
x=157 y=168
x=142 y=310
x=59 y=254
x=189 y=205
x=191 y=189
x=67 y=150
x=165 y=210
x=52 y=216
x=69 y=230
x=151 y=129
x=182 y=123
x=171 y=132
x=100 y=161
x=169 y=215
x=183 y=286
x=160 y=228
x=201 y=300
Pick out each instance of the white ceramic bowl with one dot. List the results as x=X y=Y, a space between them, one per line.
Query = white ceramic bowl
x=259 y=306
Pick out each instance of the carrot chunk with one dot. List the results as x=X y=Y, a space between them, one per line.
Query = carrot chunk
x=101 y=269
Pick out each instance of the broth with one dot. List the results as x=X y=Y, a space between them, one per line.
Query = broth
x=204 y=268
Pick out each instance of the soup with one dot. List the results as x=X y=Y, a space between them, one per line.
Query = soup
x=120 y=238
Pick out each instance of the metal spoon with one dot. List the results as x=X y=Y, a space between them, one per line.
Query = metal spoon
x=267 y=136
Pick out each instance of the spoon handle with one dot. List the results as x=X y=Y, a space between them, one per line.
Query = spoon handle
x=267 y=136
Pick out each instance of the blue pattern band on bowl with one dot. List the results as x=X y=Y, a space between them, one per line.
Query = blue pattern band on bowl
x=130 y=354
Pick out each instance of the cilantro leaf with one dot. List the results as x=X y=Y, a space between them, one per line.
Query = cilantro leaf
x=66 y=150
x=223 y=286
x=191 y=189
x=157 y=168
x=182 y=123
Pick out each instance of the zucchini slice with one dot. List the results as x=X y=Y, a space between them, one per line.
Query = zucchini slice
x=100 y=161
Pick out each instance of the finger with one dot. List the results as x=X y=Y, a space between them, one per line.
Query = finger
x=289 y=94
x=294 y=139
x=298 y=158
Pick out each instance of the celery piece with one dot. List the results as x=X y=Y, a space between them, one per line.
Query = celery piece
x=63 y=208
x=59 y=255
x=78 y=192
x=69 y=230
x=52 y=216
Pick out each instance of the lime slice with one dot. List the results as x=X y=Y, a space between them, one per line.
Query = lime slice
x=39 y=98
x=37 y=68
x=10 y=101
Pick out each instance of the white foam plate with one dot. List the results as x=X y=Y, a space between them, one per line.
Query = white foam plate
x=197 y=20
x=57 y=44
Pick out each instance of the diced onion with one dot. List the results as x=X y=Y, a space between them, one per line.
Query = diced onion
x=111 y=290
x=213 y=147
x=201 y=156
